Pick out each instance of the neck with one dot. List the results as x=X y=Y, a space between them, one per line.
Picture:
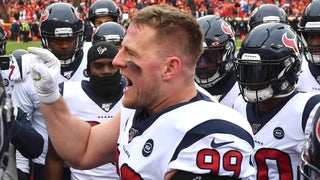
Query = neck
x=182 y=95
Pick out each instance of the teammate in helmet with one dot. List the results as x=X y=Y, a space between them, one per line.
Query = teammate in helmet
x=21 y=135
x=104 y=15
x=214 y=70
x=61 y=33
x=309 y=29
x=267 y=68
x=310 y=157
x=100 y=12
x=267 y=13
x=104 y=11
x=161 y=102
x=110 y=32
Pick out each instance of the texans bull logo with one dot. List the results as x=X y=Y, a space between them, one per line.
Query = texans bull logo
x=291 y=43
x=227 y=29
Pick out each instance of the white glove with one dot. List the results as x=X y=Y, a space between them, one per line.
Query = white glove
x=45 y=72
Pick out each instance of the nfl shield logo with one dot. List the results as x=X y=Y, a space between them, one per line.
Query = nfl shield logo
x=106 y=107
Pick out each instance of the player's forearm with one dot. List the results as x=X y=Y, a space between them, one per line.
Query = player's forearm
x=68 y=134
x=54 y=164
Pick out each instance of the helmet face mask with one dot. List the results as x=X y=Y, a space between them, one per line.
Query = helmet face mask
x=311 y=40
x=258 y=79
x=64 y=55
x=268 y=62
x=312 y=54
x=219 y=49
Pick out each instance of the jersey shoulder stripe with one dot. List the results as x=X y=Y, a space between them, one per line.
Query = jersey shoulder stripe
x=211 y=127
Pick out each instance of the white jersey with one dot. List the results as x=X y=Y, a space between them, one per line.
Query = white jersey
x=309 y=79
x=229 y=98
x=280 y=134
x=225 y=92
x=95 y=112
x=200 y=136
x=25 y=96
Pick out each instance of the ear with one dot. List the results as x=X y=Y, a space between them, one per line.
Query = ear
x=170 y=67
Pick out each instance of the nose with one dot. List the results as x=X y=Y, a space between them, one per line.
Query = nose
x=119 y=60
x=64 y=44
x=107 y=71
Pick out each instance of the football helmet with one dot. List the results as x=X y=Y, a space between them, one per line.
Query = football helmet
x=219 y=48
x=268 y=62
x=5 y=120
x=3 y=41
x=267 y=13
x=309 y=167
x=110 y=32
x=61 y=20
x=104 y=8
x=308 y=27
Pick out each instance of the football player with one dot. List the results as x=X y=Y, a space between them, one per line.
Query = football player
x=267 y=68
x=61 y=32
x=100 y=96
x=309 y=28
x=111 y=32
x=104 y=11
x=167 y=128
x=214 y=70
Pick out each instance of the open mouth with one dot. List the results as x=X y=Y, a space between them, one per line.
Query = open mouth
x=128 y=83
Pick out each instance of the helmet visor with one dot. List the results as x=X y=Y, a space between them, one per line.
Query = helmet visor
x=256 y=72
x=208 y=62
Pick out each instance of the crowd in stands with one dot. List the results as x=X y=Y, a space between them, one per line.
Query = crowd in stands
x=235 y=11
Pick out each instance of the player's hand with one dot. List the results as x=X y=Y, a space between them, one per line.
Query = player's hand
x=45 y=72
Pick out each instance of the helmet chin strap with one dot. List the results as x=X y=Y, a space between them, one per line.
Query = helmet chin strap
x=286 y=94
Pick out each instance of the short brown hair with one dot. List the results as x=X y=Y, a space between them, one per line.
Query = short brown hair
x=167 y=20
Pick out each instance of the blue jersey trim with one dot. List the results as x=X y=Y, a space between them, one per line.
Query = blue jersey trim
x=211 y=127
